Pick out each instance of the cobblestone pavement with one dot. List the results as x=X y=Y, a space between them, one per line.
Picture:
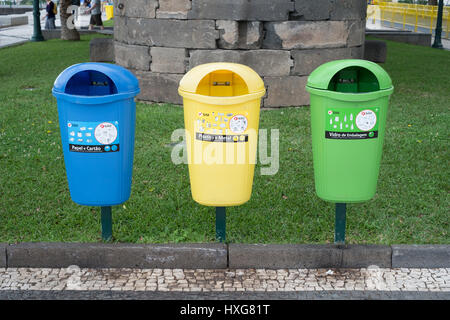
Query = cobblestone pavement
x=230 y=282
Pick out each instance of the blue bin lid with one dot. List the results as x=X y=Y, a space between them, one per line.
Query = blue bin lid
x=123 y=79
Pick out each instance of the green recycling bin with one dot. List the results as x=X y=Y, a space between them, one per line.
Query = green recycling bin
x=349 y=103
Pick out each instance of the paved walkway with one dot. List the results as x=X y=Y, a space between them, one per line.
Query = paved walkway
x=19 y=34
x=365 y=283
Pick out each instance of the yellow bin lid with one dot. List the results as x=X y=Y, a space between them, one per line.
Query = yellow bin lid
x=189 y=84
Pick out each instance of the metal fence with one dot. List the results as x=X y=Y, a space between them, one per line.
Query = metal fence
x=414 y=17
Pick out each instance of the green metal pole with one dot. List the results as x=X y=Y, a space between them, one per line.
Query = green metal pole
x=438 y=31
x=106 y=223
x=221 y=224
x=340 y=221
x=37 y=33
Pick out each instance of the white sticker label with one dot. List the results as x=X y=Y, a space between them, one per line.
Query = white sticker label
x=238 y=123
x=366 y=120
x=105 y=133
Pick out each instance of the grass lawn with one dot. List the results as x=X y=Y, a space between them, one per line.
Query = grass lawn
x=108 y=23
x=411 y=205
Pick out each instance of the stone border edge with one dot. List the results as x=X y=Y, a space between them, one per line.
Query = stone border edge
x=221 y=256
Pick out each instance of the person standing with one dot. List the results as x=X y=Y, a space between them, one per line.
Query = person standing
x=96 y=14
x=50 y=16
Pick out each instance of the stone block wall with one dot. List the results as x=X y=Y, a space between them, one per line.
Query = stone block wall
x=282 y=40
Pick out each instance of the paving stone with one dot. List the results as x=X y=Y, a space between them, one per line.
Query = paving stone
x=375 y=51
x=241 y=10
x=250 y=34
x=101 y=50
x=172 y=33
x=131 y=56
x=306 y=61
x=348 y=9
x=159 y=87
x=173 y=9
x=356 y=32
x=264 y=62
x=312 y=10
x=136 y=8
x=305 y=34
x=168 y=60
x=284 y=92
x=229 y=34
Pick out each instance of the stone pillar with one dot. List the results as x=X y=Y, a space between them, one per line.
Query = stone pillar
x=282 y=40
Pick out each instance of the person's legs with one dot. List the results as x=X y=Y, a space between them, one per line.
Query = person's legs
x=52 y=23
x=100 y=22
x=91 y=22
x=47 y=24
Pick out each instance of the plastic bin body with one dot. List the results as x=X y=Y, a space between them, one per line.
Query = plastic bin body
x=97 y=115
x=349 y=104
x=221 y=114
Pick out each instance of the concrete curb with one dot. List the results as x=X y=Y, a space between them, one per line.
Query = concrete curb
x=308 y=256
x=420 y=256
x=100 y=255
x=220 y=256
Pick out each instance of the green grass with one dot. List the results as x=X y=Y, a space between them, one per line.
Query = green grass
x=108 y=23
x=411 y=205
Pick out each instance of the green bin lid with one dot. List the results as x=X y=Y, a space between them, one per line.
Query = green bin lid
x=321 y=77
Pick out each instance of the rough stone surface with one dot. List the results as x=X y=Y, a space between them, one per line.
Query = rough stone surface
x=283 y=256
x=173 y=33
x=173 y=9
x=241 y=284
x=348 y=9
x=375 y=51
x=250 y=34
x=420 y=256
x=312 y=10
x=168 y=60
x=98 y=255
x=305 y=34
x=136 y=8
x=132 y=57
x=356 y=29
x=159 y=87
x=264 y=62
x=101 y=50
x=286 y=91
x=120 y=29
x=3 y=247
x=241 y=10
x=229 y=34
x=282 y=40
x=305 y=61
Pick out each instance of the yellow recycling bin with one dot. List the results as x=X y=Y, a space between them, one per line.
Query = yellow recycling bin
x=221 y=117
x=109 y=9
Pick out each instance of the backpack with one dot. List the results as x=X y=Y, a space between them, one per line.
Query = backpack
x=55 y=9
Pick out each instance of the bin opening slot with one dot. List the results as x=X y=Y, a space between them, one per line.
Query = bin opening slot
x=90 y=83
x=354 y=80
x=222 y=83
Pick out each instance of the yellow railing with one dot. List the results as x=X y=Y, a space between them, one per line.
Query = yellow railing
x=415 y=17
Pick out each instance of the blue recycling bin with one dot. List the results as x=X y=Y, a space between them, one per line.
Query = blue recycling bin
x=97 y=116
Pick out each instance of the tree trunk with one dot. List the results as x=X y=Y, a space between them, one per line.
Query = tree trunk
x=68 y=31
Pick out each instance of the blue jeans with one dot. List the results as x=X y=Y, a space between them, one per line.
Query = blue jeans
x=50 y=23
